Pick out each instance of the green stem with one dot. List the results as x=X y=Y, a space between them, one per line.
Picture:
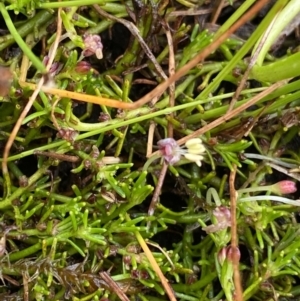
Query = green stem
x=237 y=15
x=29 y=251
x=70 y=3
x=212 y=194
x=283 y=18
x=281 y=69
x=35 y=61
x=38 y=20
x=107 y=6
x=254 y=189
x=21 y=190
x=270 y=198
x=151 y=160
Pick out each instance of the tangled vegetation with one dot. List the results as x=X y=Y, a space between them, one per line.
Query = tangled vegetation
x=107 y=192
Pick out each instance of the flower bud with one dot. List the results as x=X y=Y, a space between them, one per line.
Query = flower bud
x=284 y=187
x=230 y=254
x=55 y=67
x=233 y=254
x=222 y=255
x=83 y=67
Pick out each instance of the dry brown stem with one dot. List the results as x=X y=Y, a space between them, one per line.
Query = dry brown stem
x=234 y=238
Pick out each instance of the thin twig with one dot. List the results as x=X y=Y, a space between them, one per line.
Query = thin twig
x=233 y=113
x=253 y=175
x=158 y=187
x=53 y=114
x=255 y=119
x=24 y=66
x=290 y=173
x=250 y=66
x=193 y=12
x=154 y=264
x=171 y=73
x=61 y=157
x=164 y=168
x=216 y=12
x=28 y=107
x=234 y=239
x=163 y=251
x=135 y=31
x=190 y=12
x=114 y=286
x=151 y=130
x=25 y=285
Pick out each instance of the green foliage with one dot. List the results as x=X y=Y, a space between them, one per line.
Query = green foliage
x=81 y=184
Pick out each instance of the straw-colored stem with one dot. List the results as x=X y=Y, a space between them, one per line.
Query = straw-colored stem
x=154 y=264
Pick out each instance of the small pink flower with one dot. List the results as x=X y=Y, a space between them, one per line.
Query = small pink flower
x=93 y=46
x=172 y=152
x=222 y=216
x=284 y=187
